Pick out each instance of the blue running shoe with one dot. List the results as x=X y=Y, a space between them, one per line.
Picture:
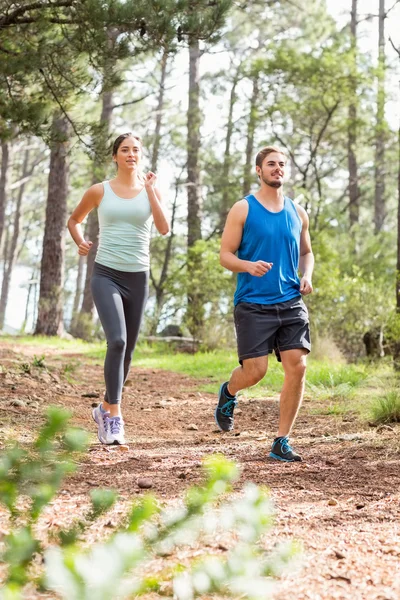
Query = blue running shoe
x=281 y=450
x=224 y=411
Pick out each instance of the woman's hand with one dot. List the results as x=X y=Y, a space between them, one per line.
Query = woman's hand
x=150 y=180
x=84 y=247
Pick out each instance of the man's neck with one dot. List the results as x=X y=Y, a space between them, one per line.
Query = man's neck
x=270 y=195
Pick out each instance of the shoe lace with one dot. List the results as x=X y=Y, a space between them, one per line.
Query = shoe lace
x=229 y=407
x=115 y=425
x=285 y=445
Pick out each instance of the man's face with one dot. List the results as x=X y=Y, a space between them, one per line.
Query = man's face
x=272 y=170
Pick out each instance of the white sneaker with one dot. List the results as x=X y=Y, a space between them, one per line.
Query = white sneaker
x=117 y=430
x=102 y=420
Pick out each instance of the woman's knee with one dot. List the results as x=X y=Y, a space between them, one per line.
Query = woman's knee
x=117 y=344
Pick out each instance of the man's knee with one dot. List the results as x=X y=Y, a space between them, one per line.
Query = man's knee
x=297 y=367
x=255 y=370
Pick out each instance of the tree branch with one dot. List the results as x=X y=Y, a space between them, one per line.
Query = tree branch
x=64 y=112
x=131 y=101
x=13 y=18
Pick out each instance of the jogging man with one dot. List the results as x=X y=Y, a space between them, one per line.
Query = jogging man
x=270 y=235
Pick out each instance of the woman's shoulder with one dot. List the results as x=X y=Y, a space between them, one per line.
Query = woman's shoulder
x=95 y=193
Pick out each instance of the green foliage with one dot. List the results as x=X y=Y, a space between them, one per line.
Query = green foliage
x=38 y=361
x=37 y=474
x=386 y=407
x=116 y=568
x=351 y=283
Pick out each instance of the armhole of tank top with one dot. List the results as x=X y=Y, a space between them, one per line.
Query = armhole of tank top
x=248 y=212
x=295 y=210
x=104 y=193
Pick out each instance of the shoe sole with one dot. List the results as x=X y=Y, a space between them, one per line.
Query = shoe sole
x=276 y=457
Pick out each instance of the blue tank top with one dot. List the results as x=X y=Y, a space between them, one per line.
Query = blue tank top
x=272 y=237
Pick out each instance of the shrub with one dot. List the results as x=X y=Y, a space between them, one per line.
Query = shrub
x=119 y=567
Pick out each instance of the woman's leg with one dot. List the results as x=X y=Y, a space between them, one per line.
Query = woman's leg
x=134 y=301
x=109 y=304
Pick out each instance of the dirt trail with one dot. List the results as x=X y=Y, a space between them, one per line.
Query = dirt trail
x=342 y=502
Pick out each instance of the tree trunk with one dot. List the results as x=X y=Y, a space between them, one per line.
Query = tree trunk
x=354 y=192
x=380 y=202
x=9 y=261
x=195 y=311
x=159 y=112
x=160 y=285
x=5 y=162
x=193 y=146
x=78 y=294
x=50 y=312
x=92 y=226
x=226 y=201
x=251 y=127
x=396 y=351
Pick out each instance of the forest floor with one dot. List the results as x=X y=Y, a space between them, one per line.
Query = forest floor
x=341 y=502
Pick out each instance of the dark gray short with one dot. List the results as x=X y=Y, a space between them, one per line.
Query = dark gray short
x=264 y=328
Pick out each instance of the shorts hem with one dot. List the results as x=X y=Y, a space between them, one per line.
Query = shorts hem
x=295 y=347
x=254 y=354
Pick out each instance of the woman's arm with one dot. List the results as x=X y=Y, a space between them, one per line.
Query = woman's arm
x=159 y=217
x=90 y=200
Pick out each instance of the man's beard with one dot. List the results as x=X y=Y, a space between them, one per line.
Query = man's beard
x=273 y=184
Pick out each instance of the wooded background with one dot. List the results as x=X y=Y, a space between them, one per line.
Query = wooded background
x=205 y=83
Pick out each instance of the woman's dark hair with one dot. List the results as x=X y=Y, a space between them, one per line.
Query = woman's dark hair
x=121 y=138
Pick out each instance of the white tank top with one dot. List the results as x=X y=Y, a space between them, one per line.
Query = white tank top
x=124 y=231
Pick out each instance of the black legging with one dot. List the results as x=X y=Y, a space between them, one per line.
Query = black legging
x=120 y=298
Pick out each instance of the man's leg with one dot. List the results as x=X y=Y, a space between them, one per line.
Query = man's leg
x=294 y=365
x=248 y=374
x=252 y=371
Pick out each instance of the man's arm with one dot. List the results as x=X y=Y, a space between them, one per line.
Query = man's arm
x=306 y=263
x=230 y=242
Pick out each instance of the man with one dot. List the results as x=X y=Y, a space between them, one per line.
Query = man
x=270 y=235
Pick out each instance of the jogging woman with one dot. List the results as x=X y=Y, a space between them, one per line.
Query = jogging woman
x=126 y=206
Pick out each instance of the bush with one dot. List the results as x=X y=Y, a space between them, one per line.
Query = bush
x=116 y=568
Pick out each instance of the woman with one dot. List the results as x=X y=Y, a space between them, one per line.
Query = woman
x=119 y=281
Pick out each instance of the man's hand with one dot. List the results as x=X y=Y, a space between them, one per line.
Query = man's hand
x=84 y=247
x=305 y=286
x=259 y=268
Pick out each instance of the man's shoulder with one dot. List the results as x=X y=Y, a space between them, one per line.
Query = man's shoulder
x=240 y=209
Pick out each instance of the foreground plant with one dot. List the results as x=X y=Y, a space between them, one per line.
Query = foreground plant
x=119 y=567
x=29 y=479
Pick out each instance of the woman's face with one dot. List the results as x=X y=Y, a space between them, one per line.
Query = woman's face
x=129 y=154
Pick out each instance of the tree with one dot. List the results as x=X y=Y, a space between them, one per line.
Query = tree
x=50 y=315
x=354 y=191
x=251 y=128
x=380 y=128
x=5 y=161
x=10 y=249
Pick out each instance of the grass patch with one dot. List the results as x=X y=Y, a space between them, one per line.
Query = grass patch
x=329 y=376
x=386 y=408
x=39 y=341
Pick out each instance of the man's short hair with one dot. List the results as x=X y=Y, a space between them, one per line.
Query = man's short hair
x=264 y=152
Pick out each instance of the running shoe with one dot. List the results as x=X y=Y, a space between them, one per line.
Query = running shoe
x=102 y=420
x=117 y=430
x=224 y=411
x=281 y=450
